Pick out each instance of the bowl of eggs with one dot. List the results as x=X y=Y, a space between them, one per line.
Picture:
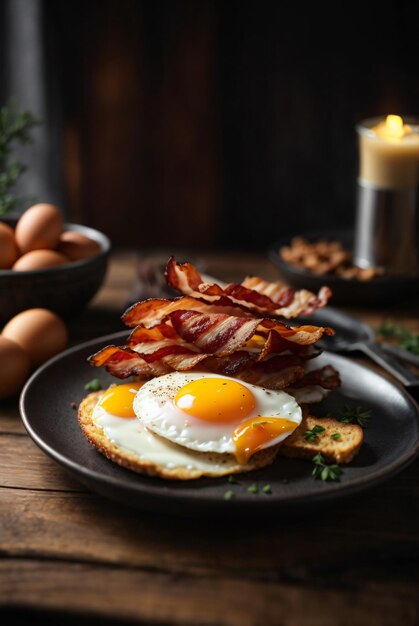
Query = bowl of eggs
x=47 y=263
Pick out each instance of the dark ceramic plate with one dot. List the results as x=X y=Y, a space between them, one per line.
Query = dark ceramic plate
x=391 y=443
x=381 y=290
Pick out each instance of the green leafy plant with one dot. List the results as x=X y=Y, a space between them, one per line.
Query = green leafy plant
x=407 y=340
x=15 y=127
x=324 y=471
x=312 y=433
x=253 y=488
x=349 y=414
x=93 y=385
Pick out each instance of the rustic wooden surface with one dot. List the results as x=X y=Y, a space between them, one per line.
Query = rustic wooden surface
x=67 y=554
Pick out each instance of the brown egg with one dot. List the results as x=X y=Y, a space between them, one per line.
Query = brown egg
x=41 y=334
x=76 y=246
x=8 y=247
x=39 y=227
x=14 y=368
x=39 y=259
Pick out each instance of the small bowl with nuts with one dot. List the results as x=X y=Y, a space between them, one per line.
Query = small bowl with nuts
x=325 y=258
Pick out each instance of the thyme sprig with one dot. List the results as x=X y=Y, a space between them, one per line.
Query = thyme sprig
x=350 y=414
x=15 y=127
x=407 y=340
x=323 y=471
x=312 y=434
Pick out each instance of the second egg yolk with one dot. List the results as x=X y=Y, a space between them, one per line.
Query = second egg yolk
x=118 y=400
x=215 y=400
x=254 y=433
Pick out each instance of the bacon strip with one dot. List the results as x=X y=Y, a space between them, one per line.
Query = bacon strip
x=304 y=335
x=230 y=364
x=293 y=303
x=218 y=334
x=151 y=312
x=275 y=344
x=175 y=357
x=326 y=377
x=121 y=362
x=276 y=373
x=254 y=295
x=280 y=373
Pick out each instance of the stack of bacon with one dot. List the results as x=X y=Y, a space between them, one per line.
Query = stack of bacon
x=233 y=330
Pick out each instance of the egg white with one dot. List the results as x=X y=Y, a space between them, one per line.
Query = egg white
x=154 y=406
x=130 y=435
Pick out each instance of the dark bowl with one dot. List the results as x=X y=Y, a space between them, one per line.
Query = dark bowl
x=381 y=290
x=65 y=289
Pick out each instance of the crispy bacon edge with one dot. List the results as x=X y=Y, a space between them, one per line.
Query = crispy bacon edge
x=252 y=295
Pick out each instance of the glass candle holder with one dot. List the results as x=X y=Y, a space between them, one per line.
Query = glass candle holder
x=387 y=211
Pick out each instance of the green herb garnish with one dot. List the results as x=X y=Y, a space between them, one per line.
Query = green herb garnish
x=93 y=385
x=15 y=127
x=349 y=414
x=311 y=435
x=387 y=329
x=324 y=471
x=253 y=488
x=407 y=340
x=336 y=436
x=267 y=489
x=229 y=495
x=231 y=479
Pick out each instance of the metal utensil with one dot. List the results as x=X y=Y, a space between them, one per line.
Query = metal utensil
x=353 y=335
x=400 y=353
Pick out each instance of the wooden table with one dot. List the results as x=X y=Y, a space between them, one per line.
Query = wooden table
x=66 y=551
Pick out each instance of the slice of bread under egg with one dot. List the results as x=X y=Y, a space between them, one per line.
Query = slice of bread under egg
x=190 y=464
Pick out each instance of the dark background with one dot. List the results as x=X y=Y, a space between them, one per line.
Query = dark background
x=212 y=124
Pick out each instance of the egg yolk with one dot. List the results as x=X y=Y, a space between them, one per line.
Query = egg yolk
x=215 y=400
x=118 y=400
x=252 y=434
x=257 y=341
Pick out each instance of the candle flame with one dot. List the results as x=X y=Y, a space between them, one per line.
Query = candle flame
x=394 y=124
x=392 y=129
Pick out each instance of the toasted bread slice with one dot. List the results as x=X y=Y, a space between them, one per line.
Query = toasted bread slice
x=196 y=464
x=340 y=449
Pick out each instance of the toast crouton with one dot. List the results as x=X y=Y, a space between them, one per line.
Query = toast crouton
x=338 y=449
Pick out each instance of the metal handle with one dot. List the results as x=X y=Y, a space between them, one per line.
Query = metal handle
x=405 y=376
x=401 y=354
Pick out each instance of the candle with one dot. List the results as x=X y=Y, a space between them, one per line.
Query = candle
x=387 y=216
x=389 y=153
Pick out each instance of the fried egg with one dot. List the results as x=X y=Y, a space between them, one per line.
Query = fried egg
x=208 y=412
x=118 y=399
x=114 y=416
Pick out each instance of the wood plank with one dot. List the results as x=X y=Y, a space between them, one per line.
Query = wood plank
x=333 y=545
x=158 y=598
x=24 y=466
x=10 y=420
